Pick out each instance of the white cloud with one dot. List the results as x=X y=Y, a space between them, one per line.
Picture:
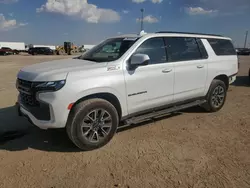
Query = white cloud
x=156 y=1
x=23 y=24
x=142 y=1
x=81 y=8
x=8 y=1
x=148 y=19
x=125 y=11
x=11 y=14
x=6 y=25
x=138 y=1
x=199 y=11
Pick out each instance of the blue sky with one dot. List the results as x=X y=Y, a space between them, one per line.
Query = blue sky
x=90 y=21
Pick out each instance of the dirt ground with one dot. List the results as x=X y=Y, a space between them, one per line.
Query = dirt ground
x=192 y=149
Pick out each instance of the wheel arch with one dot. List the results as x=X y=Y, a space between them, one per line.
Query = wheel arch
x=224 y=78
x=103 y=95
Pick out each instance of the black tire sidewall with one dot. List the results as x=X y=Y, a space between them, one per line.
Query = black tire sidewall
x=215 y=84
x=249 y=76
x=81 y=141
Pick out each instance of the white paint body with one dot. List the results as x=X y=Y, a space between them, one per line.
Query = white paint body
x=48 y=46
x=182 y=81
x=13 y=45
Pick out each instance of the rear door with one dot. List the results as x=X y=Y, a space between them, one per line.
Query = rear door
x=190 y=64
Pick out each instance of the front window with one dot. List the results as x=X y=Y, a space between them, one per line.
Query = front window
x=109 y=50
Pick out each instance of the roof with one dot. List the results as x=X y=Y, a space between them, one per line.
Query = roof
x=177 y=32
x=128 y=36
x=173 y=33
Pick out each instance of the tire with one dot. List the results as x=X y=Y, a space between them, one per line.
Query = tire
x=216 y=91
x=100 y=136
x=249 y=76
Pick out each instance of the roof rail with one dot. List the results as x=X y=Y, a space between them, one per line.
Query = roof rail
x=188 y=33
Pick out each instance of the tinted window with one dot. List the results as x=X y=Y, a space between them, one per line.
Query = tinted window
x=222 y=46
x=155 y=49
x=182 y=49
x=6 y=48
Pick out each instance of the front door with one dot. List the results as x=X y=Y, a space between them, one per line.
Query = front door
x=190 y=63
x=152 y=85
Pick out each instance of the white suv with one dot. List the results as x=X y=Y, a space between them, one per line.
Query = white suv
x=125 y=80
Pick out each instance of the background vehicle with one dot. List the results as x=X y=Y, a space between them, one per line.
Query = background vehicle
x=46 y=46
x=126 y=80
x=243 y=51
x=8 y=51
x=40 y=51
x=68 y=49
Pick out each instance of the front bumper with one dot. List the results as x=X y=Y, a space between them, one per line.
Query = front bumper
x=33 y=120
x=58 y=113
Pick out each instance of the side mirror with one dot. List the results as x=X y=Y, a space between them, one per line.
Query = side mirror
x=138 y=60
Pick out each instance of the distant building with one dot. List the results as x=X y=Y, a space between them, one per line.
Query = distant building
x=13 y=45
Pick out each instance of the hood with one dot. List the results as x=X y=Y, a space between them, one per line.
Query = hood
x=56 y=70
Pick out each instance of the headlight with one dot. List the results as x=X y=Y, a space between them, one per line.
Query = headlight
x=50 y=86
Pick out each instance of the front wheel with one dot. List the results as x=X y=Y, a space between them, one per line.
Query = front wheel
x=216 y=96
x=92 y=124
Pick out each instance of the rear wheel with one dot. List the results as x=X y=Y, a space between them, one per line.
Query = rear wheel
x=216 y=96
x=92 y=124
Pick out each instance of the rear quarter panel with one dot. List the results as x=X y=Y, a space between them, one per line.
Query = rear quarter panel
x=219 y=65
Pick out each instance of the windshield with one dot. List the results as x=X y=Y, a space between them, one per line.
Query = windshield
x=109 y=50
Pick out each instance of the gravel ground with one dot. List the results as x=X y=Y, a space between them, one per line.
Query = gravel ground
x=191 y=149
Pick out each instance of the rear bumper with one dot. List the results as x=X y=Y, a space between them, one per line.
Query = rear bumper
x=232 y=79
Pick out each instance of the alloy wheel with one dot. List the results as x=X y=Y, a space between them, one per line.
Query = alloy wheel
x=218 y=96
x=96 y=125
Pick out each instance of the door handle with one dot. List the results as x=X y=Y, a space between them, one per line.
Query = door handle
x=167 y=70
x=200 y=66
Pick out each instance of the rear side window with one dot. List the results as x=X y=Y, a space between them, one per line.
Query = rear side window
x=222 y=47
x=183 y=49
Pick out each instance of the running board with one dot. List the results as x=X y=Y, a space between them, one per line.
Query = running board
x=155 y=114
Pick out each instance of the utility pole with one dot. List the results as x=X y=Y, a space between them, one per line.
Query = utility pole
x=142 y=19
x=246 y=40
